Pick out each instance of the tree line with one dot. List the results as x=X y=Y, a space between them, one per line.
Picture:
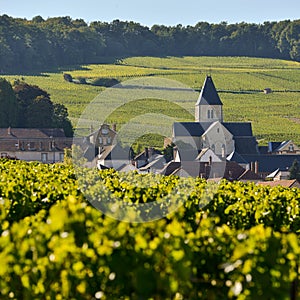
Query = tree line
x=27 y=106
x=28 y=45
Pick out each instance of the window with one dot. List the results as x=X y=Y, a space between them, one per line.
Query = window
x=44 y=157
x=61 y=156
x=109 y=140
x=291 y=148
x=223 y=151
x=212 y=114
x=31 y=146
x=100 y=140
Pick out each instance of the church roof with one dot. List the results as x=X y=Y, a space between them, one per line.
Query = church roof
x=209 y=94
x=246 y=145
x=239 y=128
x=197 y=129
x=190 y=128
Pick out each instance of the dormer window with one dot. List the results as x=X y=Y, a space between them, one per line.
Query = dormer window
x=291 y=148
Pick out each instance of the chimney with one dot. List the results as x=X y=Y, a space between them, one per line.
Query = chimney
x=256 y=167
x=150 y=151
x=146 y=153
x=91 y=128
x=252 y=166
x=114 y=127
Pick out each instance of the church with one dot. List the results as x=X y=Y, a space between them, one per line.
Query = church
x=209 y=131
x=210 y=140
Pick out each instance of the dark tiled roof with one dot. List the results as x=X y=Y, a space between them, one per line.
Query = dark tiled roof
x=263 y=149
x=234 y=156
x=116 y=152
x=269 y=163
x=246 y=145
x=170 y=168
x=209 y=94
x=273 y=145
x=41 y=145
x=226 y=169
x=197 y=129
x=31 y=133
x=239 y=128
x=249 y=175
x=190 y=128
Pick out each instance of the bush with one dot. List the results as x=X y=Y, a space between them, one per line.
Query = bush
x=106 y=82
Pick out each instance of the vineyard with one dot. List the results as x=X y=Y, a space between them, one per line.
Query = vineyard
x=239 y=80
x=241 y=242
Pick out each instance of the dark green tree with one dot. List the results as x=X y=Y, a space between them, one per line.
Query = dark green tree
x=38 y=111
x=8 y=105
x=61 y=119
x=295 y=171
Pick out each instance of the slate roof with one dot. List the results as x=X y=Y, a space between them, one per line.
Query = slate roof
x=209 y=94
x=234 y=156
x=190 y=128
x=273 y=145
x=239 y=128
x=170 y=168
x=229 y=170
x=268 y=163
x=246 y=145
x=197 y=129
x=115 y=152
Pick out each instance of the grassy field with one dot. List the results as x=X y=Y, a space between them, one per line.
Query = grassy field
x=239 y=80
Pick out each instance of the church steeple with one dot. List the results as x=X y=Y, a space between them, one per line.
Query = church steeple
x=209 y=106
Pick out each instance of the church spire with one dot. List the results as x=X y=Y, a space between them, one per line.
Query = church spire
x=209 y=106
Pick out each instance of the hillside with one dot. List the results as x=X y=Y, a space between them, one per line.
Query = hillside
x=33 y=45
x=239 y=80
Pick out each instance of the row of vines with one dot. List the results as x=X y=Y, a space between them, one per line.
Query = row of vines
x=242 y=242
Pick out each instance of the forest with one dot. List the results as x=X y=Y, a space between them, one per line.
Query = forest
x=33 y=45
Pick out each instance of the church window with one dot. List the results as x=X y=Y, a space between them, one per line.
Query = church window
x=208 y=114
x=212 y=114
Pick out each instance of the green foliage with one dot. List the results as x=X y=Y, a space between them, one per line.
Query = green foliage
x=53 y=245
x=295 y=170
x=36 y=110
x=30 y=45
x=8 y=105
x=106 y=82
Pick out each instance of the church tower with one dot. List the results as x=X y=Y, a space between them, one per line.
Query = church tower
x=209 y=106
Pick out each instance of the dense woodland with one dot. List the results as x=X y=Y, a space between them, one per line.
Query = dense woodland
x=31 y=45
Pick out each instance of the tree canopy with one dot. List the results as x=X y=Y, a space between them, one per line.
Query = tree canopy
x=29 y=45
x=28 y=106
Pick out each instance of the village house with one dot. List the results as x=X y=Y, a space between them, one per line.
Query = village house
x=32 y=144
